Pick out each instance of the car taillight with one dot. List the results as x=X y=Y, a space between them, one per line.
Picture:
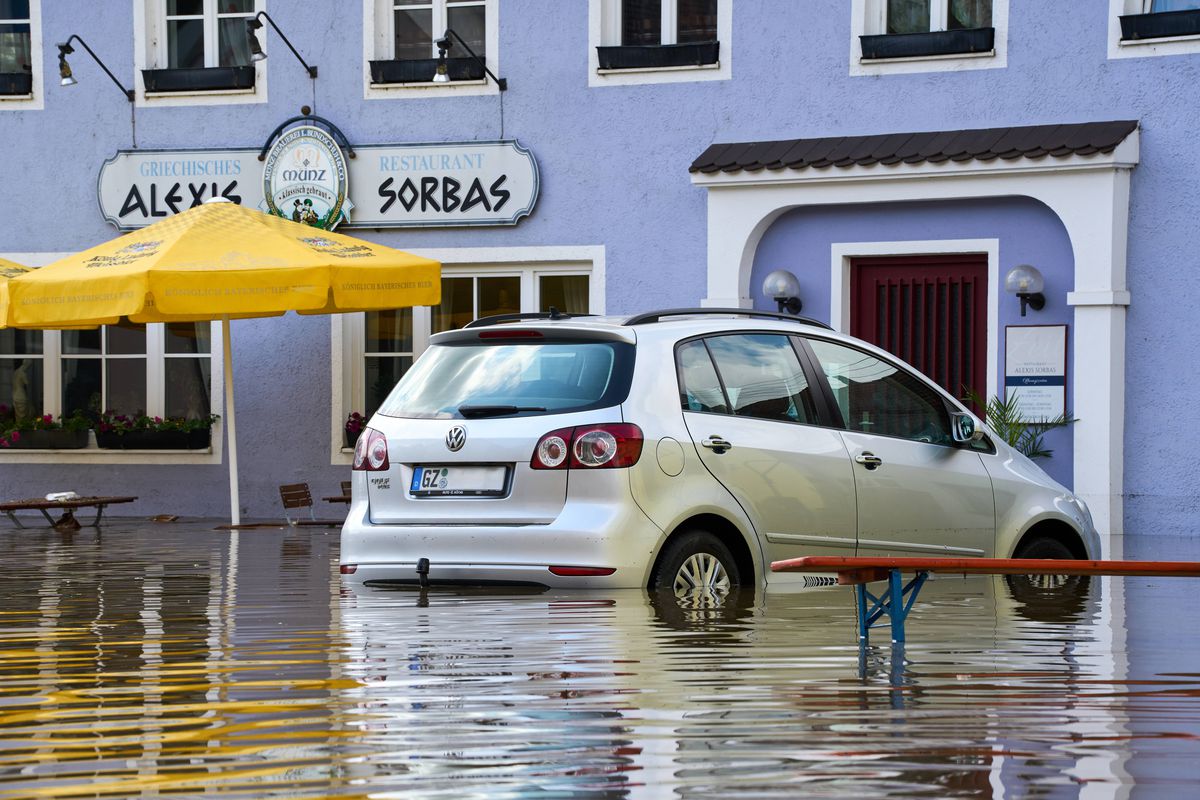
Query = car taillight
x=371 y=452
x=614 y=445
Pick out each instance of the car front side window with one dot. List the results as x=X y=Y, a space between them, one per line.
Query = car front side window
x=763 y=377
x=879 y=398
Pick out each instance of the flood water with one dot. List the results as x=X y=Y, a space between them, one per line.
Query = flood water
x=173 y=659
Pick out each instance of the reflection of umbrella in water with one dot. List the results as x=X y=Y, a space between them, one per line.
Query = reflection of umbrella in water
x=220 y=261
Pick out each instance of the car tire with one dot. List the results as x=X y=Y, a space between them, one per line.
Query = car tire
x=696 y=561
x=1045 y=547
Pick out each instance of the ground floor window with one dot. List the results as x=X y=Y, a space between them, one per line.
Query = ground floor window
x=378 y=347
x=129 y=368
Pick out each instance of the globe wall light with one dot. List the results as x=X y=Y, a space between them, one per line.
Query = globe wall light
x=1026 y=282
x=783 y=287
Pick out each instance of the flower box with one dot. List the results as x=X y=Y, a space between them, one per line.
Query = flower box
x=695 y=54
x=1160 y=25
x=421 y=70
x=198 y=79
x=933 y=43
x=16 y=84
x=155 y=440
x=49 y=440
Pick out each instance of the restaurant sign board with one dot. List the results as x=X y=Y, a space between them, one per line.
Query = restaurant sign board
x=391 y=186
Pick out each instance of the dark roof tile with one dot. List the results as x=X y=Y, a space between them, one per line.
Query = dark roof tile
x=984 y=144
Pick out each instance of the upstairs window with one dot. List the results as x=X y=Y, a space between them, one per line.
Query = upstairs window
x=661 y=33
x=917 y=28
x=954 y=32
x=199 y=46
x=406 y=36
x=16 y=48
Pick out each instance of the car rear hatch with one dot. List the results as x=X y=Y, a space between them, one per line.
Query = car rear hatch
x=462 y=424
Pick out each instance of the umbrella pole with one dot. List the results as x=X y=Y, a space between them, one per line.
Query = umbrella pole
x=227 y=357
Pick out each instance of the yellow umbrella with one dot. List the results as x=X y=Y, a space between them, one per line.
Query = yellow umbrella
x=221 y=261
x=8 y=269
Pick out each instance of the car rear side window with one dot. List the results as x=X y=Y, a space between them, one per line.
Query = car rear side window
x=699 y=387
x=512 y=378
x=763 y=377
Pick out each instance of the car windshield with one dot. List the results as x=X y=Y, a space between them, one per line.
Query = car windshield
x=509 y=378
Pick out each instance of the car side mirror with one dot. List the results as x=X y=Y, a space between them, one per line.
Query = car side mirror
x=963 y=428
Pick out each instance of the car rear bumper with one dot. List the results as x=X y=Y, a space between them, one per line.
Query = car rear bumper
x=615 y=536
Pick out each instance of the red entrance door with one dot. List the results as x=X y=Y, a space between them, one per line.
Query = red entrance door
x=930 y=311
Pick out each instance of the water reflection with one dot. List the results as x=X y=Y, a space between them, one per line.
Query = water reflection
x=179 y=660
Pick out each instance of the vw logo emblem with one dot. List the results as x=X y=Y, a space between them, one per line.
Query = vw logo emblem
x=456 y=438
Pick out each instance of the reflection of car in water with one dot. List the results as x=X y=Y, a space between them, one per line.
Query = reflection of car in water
x=680 y=450
x=626 y=693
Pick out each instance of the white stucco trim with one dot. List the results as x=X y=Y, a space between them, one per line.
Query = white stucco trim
x=148 y=26
x=867 y=17
x=1090 y=195
x=1143 y=48
x=843 y=253
x=603 y=20
x=376 y=47
x=346 y=329
x=36 y=100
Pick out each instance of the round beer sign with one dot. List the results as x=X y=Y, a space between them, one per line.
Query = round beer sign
x=304 y=178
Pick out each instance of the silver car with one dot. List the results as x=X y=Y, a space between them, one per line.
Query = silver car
x=680 y=449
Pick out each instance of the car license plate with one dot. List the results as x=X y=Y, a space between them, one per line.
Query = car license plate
x=445 y=481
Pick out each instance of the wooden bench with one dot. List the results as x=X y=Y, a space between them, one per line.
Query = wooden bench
x=344 y=497
x=297 y=495
x=859 y=571
x=67 y=521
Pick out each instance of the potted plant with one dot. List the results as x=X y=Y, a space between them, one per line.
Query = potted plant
x=353 y=427
x=140 y=432
x=43 y=432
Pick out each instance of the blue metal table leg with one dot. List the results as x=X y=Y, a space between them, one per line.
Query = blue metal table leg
x=895 y=605
x=861 y=604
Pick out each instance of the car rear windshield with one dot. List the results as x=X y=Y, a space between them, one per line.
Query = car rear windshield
x=471 y=380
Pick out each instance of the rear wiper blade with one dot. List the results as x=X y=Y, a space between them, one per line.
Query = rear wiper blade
x=495 y=411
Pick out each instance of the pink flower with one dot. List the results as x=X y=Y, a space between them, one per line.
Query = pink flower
x=15 y=436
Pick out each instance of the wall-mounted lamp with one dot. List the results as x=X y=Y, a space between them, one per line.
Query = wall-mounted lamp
x=441 y=75
x=256 y=51
x=782 y=287
x=1026 y=283
x=64 y=69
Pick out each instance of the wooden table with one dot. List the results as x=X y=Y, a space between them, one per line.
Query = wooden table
x=66 y=506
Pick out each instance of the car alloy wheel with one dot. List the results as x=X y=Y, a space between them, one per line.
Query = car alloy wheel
x=701 y=572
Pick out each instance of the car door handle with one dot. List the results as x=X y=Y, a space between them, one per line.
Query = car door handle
x=716 y=444
x=868 y=460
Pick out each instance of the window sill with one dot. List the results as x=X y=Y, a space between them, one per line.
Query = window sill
x=426 y=84
x=200 y=93
x=96 y=455
x=652 y=70
x=7 y=98
x=1135 y=43
x=918 y=59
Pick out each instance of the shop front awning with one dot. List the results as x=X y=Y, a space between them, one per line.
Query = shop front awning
x=979 y=144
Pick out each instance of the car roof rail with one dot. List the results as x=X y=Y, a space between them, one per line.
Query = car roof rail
x=658 y=316
x=496 y=319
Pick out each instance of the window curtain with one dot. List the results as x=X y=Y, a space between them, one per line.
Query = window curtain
x=1173 y=5
x=908 y=16
x=969 y=14
x=15 y=48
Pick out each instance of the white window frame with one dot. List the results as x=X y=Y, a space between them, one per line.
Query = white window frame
x=869 y=17
x=155 y=390
x=1143 y=48
x=604 y=29
x=150 y=52
x=530 y=263
x=35 y=100
x=379 y=44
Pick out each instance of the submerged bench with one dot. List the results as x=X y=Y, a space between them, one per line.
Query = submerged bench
x=66 y=506
x=859 y=571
